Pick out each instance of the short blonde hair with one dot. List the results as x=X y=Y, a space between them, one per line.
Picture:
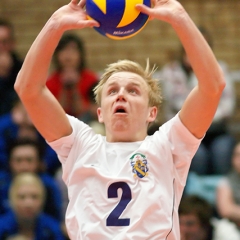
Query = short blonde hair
x=26 y=179
x=154 y=92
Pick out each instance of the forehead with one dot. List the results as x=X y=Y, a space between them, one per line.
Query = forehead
x=24 y=150
x=28 y=189
x=124 y=78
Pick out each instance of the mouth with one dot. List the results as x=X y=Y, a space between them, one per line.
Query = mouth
x=120 y=110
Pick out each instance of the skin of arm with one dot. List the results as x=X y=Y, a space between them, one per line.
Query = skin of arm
x=200 y=106
x=47 y=114
x=44 y=110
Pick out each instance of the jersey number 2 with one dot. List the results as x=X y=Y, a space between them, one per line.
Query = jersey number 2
x=113 y=218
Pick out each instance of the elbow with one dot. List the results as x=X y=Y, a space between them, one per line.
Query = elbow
x=20 y=85
x=224 y=212
x=17 y=84
x=220 y=84
x=23 y=87
x=221 y=81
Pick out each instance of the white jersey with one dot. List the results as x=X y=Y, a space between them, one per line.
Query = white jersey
x=121 y=191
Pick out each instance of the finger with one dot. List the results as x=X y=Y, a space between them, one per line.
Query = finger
x=90 y=23
x=74 y=2
x=144 y=9
x=82 y=3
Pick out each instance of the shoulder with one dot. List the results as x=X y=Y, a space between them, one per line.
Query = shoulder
x=5 y=178
x=47 y=220
x=48 y=180
x=46 y=177
x=176 y=132
x=49 y=227
x=6 y=120
x=7 y=222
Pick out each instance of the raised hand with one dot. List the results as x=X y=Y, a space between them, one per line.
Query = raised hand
x=165 y=10
x=73 y=16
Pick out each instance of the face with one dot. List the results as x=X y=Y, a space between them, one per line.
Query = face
x=236 y=158
x=6 y=42
x=69 y=57
x=190 y=228
x=27 y=201
x=24 y=159
x=124 y=107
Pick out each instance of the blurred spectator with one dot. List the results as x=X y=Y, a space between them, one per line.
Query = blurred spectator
x=17 y=124
x=178 y=80
x=25 y=155
x=228 y=193
x=10 y=65
x=195 y=216
x=26 y=220
x=71 y=81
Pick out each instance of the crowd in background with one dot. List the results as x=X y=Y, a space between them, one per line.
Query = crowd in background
x=33 y=197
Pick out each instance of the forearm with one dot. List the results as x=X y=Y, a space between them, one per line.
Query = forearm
x=202 y=59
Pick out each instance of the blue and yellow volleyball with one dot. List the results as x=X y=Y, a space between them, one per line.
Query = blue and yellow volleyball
x=118 y=19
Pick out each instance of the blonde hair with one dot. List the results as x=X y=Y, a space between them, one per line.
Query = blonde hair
x=26 y=179
x=154 y=89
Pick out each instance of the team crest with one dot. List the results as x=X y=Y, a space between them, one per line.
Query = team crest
x=139 y=165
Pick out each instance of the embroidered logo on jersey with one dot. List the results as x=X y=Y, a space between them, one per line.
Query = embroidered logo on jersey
x=139 y=165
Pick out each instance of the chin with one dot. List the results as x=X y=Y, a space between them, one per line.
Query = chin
x=120 y=125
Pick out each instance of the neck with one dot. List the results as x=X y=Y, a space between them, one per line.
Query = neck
x=125 y=137
x=27 y=228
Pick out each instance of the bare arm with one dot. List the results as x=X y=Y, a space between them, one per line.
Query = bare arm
x=226 y=205
x=45 y=111
x=200 y=106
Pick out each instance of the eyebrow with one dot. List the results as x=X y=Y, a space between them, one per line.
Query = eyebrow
x=129 y=84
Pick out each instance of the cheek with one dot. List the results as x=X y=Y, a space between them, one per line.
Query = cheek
x=15 y=167
x=236 y=165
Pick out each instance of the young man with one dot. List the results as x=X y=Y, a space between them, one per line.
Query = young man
x=126 y=185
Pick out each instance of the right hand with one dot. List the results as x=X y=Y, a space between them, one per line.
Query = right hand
x=73 y=16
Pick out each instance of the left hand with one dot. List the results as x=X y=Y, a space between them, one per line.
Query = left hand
x=165 y=10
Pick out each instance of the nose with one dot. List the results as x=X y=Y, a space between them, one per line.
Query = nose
x=121 y=95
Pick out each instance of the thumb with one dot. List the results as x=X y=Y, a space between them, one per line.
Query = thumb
x=144 y=9
x=91 y=23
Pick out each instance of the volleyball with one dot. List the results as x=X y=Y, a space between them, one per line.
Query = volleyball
x=118 y=19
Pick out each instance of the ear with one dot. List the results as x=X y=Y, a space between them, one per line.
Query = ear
x=152 y=114
x=99 y=113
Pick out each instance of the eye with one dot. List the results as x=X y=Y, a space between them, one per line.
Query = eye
x=132 y=91
x=112 y=91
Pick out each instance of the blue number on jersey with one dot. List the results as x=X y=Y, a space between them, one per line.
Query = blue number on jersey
x=113 y=219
